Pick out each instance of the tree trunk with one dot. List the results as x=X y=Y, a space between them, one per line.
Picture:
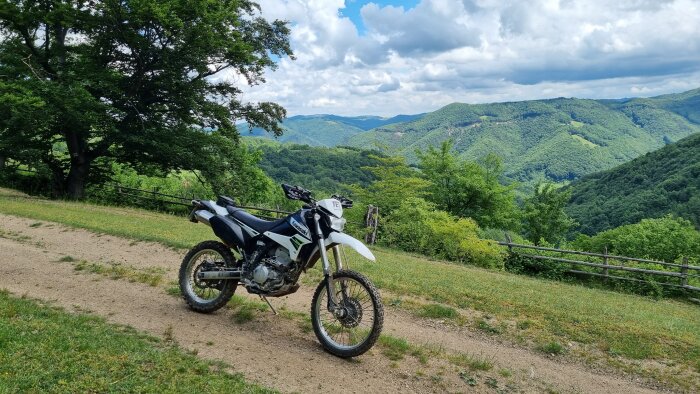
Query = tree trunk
x=2 y=162
x=77 y=178
x=74 y=186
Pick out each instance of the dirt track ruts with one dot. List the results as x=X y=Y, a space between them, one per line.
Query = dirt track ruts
x=271 y=350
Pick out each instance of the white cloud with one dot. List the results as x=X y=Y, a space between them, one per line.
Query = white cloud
x=441 y=51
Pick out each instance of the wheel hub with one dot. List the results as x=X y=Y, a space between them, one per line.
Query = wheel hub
x=349 y=314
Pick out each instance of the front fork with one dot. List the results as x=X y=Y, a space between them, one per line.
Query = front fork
x=327 y=275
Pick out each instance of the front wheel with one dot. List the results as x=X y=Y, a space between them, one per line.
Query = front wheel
x=206 y=295
x=355 y=326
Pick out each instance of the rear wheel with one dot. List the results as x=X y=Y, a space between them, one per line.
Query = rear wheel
x=206 y=295
x=355 y=326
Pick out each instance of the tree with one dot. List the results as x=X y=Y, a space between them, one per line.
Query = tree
x=544 y=217
x=139 y=82
x=395 y=182
x=667 y=239
x=469 y=189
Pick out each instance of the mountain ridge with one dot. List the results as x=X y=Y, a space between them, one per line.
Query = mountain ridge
x=556 y=140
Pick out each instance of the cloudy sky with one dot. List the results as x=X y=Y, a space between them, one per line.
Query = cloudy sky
x=386 y=57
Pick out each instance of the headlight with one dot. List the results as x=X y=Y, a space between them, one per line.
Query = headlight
x=337 y=224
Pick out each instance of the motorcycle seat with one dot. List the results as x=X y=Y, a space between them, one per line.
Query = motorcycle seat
x=257 y=224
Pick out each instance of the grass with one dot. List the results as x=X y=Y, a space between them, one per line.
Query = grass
x=437 y=311
x=244 y=309
x=150 y=276
x=605 y=321
x=45 y=349
x=552 y=347
x=174 y=231
x=472 y=362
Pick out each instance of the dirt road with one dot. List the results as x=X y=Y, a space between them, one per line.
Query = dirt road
x=272 y=350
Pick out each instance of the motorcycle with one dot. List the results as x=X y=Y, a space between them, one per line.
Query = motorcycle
x=268 y=258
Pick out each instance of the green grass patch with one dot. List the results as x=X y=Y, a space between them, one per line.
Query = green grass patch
x=47 y=350
x=552 y=347
x=67 y=259
x=487 y=327
x=394 y=348
x=175 y=231
x=151 y=276
x=173 y=289
x=244 y=309
x=662 y=329
x=469 y=361
x=437 y=311
x=505 y=372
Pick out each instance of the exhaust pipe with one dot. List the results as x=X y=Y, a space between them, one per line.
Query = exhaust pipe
x=219 y=275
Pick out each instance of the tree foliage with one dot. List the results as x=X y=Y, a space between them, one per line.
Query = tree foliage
x=137 y=82
x=395 y=182
x=469 y=189
x=667 y=239
x=544 y=217
x=417 y=226
x=319 y=169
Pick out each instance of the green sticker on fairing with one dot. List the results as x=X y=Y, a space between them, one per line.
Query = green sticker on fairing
x=296 y=242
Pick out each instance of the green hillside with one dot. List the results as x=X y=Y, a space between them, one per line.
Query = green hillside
x=653 y=185
x=558 y=140
x=317 y=168
x=325 y=130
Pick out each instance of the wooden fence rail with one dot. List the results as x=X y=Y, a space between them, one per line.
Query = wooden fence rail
x=608 y=263
x=371 y=219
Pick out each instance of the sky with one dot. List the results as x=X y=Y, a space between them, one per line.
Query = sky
x=389 y=57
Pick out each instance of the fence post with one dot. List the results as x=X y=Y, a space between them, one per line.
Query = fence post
x=371 y=221
x=605 y=262
x=684 y=272
x=509 y=241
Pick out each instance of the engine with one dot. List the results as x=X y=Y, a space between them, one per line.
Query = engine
x=275 y=274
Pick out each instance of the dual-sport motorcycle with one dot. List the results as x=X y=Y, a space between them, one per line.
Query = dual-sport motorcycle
x=268 y=257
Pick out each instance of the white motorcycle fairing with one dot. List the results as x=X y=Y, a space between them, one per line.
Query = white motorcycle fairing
x=343 y=239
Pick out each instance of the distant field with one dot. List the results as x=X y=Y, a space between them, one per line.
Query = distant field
x=46 y=350
x=541 y=314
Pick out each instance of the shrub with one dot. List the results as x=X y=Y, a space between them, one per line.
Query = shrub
x=666 y=239
x=416 y=226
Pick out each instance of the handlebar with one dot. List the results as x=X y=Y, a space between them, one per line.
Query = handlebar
x=298 y=193
x=301 y=194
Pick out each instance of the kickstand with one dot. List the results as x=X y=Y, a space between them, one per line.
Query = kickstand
x=268 y=304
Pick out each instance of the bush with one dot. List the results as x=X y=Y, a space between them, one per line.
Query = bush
x=667 y=239
x=416 y=226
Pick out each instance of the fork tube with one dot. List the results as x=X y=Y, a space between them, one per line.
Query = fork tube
x=336 y=257
x=328 y=277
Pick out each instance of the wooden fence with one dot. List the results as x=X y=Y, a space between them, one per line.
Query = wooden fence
x=606 y=265
x=154 y=196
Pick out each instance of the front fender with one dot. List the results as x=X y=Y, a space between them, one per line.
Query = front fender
x=344 y=239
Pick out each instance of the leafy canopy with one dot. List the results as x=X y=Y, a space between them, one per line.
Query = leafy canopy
x=138 y=82
x=544 y=217
x=668 y=239
x=469 y=189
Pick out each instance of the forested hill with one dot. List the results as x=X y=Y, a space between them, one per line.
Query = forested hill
x=320 y=169
x=653 y=185
x=326 y=130
x=559 y=139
